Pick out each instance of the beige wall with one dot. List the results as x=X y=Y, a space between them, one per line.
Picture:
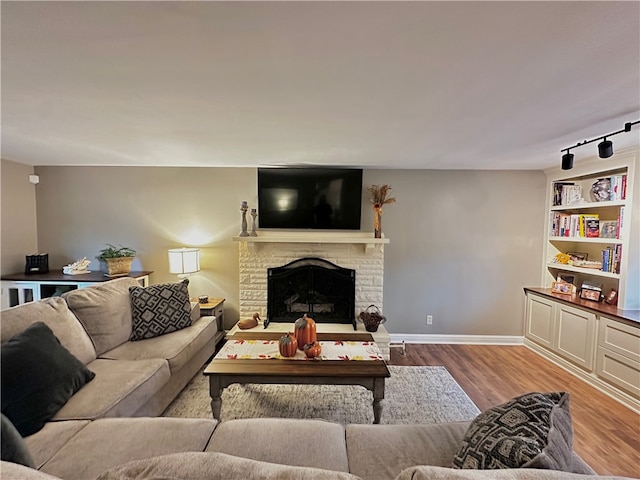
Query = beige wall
x=18 y=216
x=463 y=243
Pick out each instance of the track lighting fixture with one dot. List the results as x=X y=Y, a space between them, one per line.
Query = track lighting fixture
x=605 y=148
x=567 y=161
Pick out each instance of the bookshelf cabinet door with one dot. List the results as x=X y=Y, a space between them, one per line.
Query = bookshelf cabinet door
x=575 y=336
x=540 y=320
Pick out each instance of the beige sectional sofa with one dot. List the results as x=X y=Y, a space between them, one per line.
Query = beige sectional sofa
x=256 y=449
x=110 y=430
x=132 y=378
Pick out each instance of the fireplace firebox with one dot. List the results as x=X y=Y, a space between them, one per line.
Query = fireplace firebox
x=317 y=287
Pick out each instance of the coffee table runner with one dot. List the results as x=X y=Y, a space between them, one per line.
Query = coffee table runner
x=268 y=349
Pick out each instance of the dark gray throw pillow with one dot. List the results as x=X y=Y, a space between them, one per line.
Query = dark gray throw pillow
x=159 y=309
x=14 y=449
x=39 y=376
x=529 y=431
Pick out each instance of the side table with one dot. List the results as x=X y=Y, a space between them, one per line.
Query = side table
x=214 y=307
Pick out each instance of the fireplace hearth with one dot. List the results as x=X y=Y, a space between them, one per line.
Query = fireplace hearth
x=317 y=287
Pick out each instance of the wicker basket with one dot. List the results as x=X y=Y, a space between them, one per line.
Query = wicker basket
x=372 y=318
x=118 y=266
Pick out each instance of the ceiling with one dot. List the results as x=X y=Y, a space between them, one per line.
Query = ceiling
x=415 y=85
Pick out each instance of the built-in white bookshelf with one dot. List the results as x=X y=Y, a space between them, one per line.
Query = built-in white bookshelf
x=572 y=206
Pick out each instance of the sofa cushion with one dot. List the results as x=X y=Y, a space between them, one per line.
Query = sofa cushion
x=55 y=313
x=378 y=452
x=105 y=311
x=108 y=442
x=39 y=376
x=14 y=448
x=254 y=438
x=176 y=347
x=427 y=472
x=532 y=431
x=159 y=309
x=119 y=389
x=13 y=471
x=215 y=466
x=45 y=443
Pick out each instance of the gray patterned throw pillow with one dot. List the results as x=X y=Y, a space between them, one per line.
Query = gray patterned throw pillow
x=159 y=309
x=530 y=431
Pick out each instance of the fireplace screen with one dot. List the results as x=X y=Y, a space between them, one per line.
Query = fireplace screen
x=321 y=289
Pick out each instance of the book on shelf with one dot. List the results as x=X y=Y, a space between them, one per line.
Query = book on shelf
x=620 y=222
x=592 y=226
x=574 y=226
x=565 y=225
x=618 y=187
x=557 y=192
x=571 y=194
x=608 y=228
x=617 y=258
x=606 y=260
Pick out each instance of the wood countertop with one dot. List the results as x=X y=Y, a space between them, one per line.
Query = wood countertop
x=597 y=307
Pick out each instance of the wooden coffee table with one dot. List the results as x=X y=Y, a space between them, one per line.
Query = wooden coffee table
x=370 y=374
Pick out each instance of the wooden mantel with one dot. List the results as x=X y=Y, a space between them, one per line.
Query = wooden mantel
x=359 y=238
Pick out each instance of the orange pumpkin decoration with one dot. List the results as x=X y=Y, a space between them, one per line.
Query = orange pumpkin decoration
x=305 y=331
x=312 y=350
x=288 y=345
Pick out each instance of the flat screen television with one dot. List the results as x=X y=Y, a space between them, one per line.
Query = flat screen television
x=313 y=197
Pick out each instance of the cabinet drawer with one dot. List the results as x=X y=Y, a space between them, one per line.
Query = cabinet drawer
x=619 y=338
x=619 y=370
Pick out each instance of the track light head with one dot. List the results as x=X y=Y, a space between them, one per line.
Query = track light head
x=605 y=148
x=567 y=161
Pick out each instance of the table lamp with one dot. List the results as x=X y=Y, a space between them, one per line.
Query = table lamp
x=184 y=261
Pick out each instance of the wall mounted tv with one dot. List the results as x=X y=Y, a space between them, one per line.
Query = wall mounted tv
x=313 y=197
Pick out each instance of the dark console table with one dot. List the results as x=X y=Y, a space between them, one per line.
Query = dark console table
x=18 y=288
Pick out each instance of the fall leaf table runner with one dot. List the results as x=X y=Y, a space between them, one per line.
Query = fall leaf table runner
x=268 y=349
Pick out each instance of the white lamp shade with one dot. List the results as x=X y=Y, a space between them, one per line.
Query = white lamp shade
x=184 y=260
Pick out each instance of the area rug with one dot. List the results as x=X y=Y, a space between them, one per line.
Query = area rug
x=412 y=395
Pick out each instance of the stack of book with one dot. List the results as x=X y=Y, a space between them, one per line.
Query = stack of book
x=611 y=257
x=586 y=225
x=566 y=193
x=618 y=187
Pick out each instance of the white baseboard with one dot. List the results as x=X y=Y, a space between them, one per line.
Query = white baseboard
x=457 y=339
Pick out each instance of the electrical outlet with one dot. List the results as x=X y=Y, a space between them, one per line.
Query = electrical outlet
x=429 y=319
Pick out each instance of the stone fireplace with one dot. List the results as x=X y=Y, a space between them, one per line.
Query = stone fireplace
x=332 y=251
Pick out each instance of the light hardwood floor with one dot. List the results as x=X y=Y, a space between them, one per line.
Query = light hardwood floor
x=606 y=434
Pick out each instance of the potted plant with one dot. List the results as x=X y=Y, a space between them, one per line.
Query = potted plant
x=117 y=259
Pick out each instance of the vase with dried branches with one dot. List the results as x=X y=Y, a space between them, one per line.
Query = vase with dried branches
x=379 y=198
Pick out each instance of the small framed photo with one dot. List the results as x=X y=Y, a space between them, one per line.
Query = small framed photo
x=580 y=256
x=563 y=287
x=612 y=297
x=608 y=229
x=588 y=294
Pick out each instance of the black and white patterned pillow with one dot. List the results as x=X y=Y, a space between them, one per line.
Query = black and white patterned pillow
x=529 y=431
x=159 y=309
